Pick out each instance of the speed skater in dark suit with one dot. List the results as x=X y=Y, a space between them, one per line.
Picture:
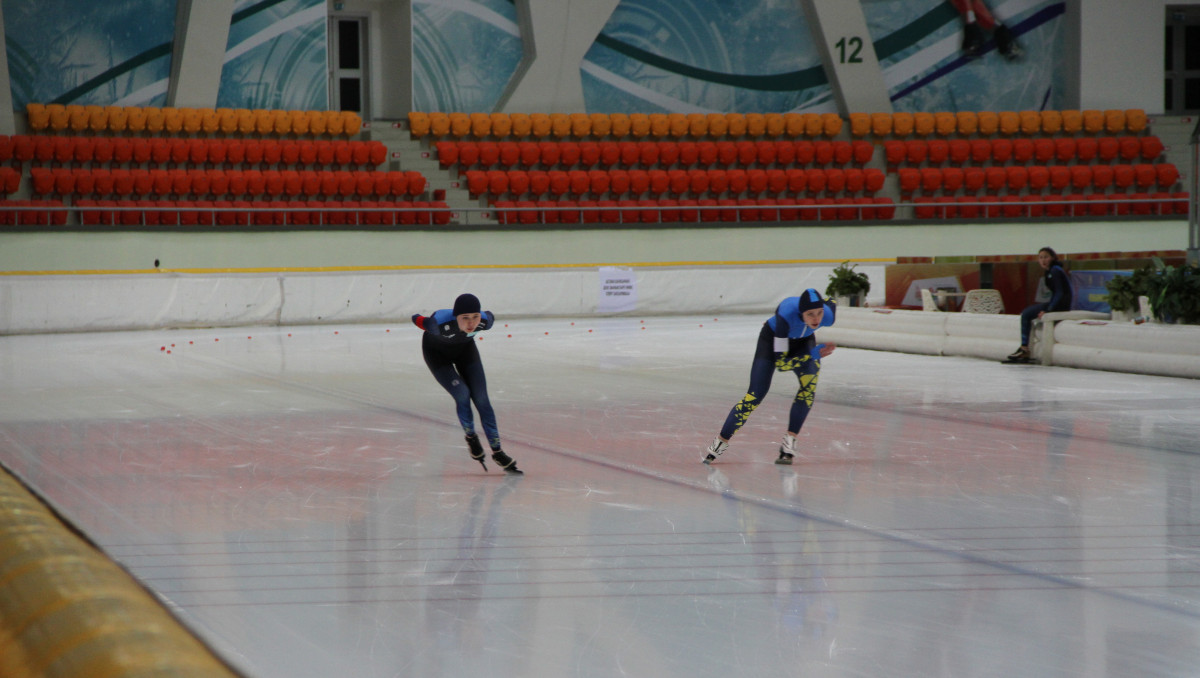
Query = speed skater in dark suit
x=452 y=356
x=787 y=343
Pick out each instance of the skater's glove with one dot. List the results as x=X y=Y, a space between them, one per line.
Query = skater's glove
x=789 y=363
x=419 y=320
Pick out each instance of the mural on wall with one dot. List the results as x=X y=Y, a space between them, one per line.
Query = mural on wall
x=88 y=52
x=704 y=56
x=920 y=48
x=464 y=53
x=276 y=56
x=745 y=55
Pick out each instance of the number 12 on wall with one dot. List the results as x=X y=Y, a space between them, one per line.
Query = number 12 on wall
x=849 y=50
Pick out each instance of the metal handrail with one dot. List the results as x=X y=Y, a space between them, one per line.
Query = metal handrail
x=486 y=216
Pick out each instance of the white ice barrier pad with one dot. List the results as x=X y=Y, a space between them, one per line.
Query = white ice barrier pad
x=1168 y=350
x=81 y=303
x=86 y=303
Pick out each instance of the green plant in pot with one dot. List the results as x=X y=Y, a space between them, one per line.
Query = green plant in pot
x=1124 y=290
x=1175 y=295
x=845 y=282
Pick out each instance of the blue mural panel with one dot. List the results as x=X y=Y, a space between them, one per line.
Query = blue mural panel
x=88 y=52
x=919 y=47
x=705 y=55
x=276 y=56
x=464 y=53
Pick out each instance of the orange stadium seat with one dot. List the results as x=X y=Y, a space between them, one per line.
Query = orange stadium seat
x=735 y=124
x=1114 y=121
x=902 y=123
x=989 y=122
x=1051 y=121
x=1030 y=122
x=1072 y=122
x=1135 y=120
x=1009 y=122
x=860 y=124
x=38 y=116
x=945 y=123
x=968 y=122
x=1093 y=121
x=756 y=124
x=881 y=124
x=924 y=124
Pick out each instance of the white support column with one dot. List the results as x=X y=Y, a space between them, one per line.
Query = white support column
x=201 y=35
x=8 y=123
x=840 y=30
x=557 y=34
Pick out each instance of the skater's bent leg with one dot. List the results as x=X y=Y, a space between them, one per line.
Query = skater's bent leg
x=808 y=374
x=472 y=373
x=760 y=382
x=450 y=380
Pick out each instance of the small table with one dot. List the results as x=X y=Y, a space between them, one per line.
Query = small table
x=943 y=298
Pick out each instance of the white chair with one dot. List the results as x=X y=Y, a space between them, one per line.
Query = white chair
x=983 y=301
x=927 y=302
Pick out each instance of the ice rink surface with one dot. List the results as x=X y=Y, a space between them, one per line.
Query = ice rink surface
x=302 y=498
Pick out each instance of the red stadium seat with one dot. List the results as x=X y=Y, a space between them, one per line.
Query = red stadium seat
x=974 y=179
x=1043 y=150
x=539 y=183
x=1016 y=178
x=960 y=151
x=894 y=152
x=931 y=179
x=1152 y=147
x=952 y=179
x=915 y=151
x=1064 y=149
x=939 y=151
x=1060 y=177
x=1167 y=175
x=1002 y=150
x=1086 y=150
x=995 y=178
x=1145 y=175
x=910 y=179
x=981 y=151
x=1022 y=150
x=1081 y=177
x=1039 y=178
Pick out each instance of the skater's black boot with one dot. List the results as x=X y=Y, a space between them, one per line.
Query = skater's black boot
x=476 y=449
x=506 y=462
x=1006 y=43
x=973 y=41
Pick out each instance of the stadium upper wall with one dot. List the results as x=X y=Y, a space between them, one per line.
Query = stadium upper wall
x=649 y=55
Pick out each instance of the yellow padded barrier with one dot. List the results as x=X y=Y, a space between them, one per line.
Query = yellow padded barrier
x=70 y=612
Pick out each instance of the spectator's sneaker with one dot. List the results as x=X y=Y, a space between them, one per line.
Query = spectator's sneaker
x=1006 y=43
x=715 y=450
x=1021 y=355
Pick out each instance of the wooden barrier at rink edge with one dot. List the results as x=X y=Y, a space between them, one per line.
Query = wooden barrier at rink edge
x=68 y=611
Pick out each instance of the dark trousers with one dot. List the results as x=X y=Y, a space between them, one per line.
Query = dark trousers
x=762 y=369
x=459 y=370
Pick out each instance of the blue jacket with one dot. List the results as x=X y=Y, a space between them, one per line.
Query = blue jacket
x=443 y=326
x=1059 y=284
x=787 y=323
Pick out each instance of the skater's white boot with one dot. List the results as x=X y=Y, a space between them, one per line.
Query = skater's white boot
x=716 y=449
